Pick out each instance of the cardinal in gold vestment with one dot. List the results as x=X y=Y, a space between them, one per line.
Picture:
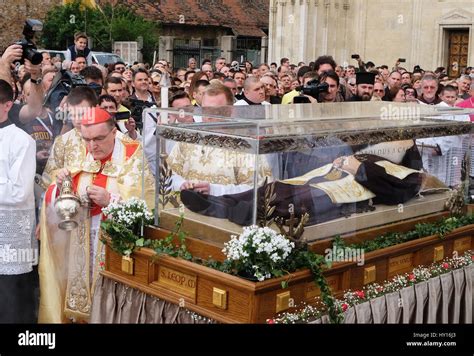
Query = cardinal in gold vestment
x=107 y=167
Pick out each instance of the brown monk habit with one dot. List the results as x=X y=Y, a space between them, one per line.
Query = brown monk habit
x=310 y=197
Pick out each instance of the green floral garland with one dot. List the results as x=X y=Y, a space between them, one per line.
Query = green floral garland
x=440 y=228
x=308 y=313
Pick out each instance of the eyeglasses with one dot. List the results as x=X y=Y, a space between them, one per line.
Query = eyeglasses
x=97 y=139
x=351 y=84
x=156 y=83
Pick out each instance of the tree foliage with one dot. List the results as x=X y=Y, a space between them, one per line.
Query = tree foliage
x=103 y=24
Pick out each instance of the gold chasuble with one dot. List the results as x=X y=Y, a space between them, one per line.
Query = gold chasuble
x=226 y=170
x=67 y=149
x=71 y=260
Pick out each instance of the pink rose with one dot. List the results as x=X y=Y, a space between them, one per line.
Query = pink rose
x=360 y=294
x=446 y=265
x=411 y=277
x=344 y=307
x=270 y=321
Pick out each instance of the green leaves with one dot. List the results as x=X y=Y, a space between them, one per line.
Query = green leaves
x=440 y=228
x=104 y=24
x=123 y=240
x=167 y=246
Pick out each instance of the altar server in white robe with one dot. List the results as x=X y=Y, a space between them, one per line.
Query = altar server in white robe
x=18 y=248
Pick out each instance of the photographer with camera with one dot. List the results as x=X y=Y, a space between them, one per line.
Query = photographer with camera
x=79 y=48
x=21 y=114
x=332 y=95
x=288 y=97
x=311 y=90
x=24 y=52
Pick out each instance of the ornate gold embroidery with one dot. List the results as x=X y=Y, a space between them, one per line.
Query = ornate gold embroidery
x=111 y=169
x=91 y=166
x=69 y=151
x=216 y=165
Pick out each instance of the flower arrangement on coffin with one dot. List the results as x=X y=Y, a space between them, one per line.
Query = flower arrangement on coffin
x=374 y=290
x=124 y=223
x=261 y=253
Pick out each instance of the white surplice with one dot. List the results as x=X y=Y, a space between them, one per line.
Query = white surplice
x=17 y=201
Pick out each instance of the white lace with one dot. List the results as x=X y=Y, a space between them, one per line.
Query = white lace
x=18 y=246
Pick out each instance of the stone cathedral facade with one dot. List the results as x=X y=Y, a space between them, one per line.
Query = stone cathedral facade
x=429 y=33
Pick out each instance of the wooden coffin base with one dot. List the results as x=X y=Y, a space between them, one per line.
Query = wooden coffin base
x=230 y=299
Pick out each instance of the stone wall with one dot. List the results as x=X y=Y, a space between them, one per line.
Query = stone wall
x=14 y=13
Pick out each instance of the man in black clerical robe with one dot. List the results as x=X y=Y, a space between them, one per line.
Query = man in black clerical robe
x=330 y=192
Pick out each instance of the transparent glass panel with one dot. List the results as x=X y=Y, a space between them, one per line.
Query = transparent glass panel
x=334 y=168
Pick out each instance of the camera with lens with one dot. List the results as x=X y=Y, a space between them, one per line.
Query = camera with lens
x=136 y=107
x=31 y=28
x=62 y=84
x=313 y=88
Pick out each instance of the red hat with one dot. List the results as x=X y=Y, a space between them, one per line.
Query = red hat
x=94 y=116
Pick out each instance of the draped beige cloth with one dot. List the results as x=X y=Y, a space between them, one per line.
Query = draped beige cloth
x=116 y=303
x=445 y=299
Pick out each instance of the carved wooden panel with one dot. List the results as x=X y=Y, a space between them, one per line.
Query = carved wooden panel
x=458 y=49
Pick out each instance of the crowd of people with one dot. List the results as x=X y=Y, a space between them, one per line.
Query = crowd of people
x=91 y=135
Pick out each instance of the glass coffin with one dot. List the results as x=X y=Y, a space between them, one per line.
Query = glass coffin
x=330 y=168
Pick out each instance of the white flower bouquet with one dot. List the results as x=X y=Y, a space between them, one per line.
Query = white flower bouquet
x=259 y=252
x=124 y=224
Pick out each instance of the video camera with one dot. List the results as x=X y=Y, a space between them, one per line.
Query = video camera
x=136 y=107
x=312 y=88
x=31 y=28
x=62 y=84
